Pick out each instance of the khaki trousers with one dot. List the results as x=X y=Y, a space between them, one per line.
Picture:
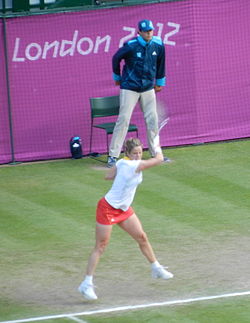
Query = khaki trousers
x=128 y=100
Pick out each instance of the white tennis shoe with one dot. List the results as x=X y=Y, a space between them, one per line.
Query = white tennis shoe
x=87 y=290
x=161 y=272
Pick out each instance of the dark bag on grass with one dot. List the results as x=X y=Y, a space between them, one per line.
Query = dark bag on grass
x=76 y=147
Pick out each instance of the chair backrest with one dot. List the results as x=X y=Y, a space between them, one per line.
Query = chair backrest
x=104 y=106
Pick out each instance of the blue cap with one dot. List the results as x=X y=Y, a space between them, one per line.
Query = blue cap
x=145 y=25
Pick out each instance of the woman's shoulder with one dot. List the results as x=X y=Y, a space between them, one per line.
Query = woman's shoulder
x=125 y=162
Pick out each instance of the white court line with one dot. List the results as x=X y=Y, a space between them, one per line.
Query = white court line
x=76 y=319
x=130 y=307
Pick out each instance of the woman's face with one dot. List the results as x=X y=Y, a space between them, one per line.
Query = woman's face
x=136 y=153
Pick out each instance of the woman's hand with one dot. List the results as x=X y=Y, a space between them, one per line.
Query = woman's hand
x=111 y=173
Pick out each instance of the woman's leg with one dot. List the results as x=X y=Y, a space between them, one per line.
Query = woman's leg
x=103 y=233
x=133 y=227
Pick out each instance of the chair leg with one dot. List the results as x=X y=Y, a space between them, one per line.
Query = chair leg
x=91 y=135
x=107 y=146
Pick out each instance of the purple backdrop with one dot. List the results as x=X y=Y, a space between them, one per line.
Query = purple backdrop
x=58 y=61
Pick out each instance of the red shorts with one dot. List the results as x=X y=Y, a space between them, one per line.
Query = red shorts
x=106 y=214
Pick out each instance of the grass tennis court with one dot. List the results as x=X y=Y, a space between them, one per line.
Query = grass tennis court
x=195 y=211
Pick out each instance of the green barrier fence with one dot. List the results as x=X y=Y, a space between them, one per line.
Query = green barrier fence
x=29 y=7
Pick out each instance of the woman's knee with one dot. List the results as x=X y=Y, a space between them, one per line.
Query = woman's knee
x=101 y=246
x=142 y=238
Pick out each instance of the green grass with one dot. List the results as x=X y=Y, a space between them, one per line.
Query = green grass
x=195 y=211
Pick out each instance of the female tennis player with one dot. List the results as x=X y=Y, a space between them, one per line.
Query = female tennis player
x=115 y=208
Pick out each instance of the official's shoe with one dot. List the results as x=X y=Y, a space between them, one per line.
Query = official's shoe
x=161 y=272
x=87 y=290
x=166 y=160
x=111 y=161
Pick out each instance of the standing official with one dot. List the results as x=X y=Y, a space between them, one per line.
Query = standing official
x=143 y=75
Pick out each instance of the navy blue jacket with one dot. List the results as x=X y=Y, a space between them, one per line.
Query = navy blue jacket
x=144 y=64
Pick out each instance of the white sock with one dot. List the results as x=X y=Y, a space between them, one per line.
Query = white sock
x=155 y=265
x=88 y=279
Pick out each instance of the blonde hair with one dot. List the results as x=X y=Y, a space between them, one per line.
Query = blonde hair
x=130 y=144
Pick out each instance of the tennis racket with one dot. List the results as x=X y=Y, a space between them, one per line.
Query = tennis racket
x=163 y=119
